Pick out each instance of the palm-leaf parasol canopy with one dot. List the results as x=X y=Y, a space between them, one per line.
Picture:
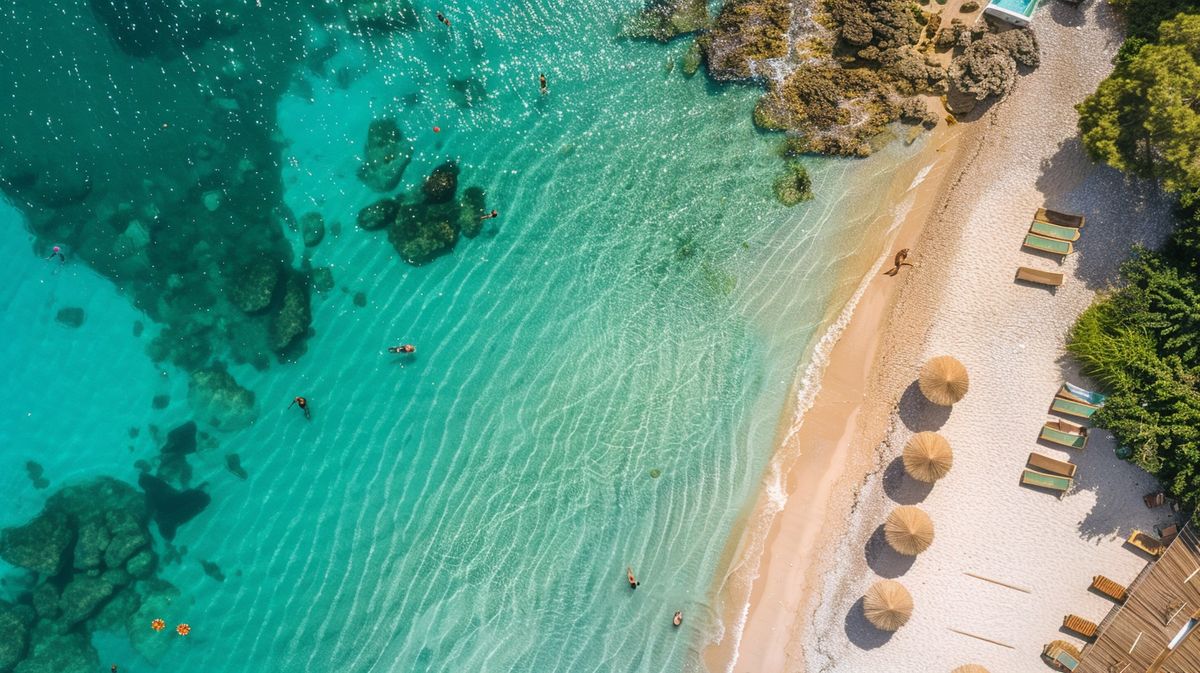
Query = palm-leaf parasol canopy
x=943 y=380
x=970 y=668
x=927 y=456
x=887 y=605
x=909 y=530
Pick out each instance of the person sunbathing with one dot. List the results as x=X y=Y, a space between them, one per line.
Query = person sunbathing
x=899 y=262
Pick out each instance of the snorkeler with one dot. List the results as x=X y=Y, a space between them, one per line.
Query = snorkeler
x=442 y=17
x=633 y=583
x=303 y=406
x=57 y=252
x=542 y=83
x=406 y=348
x=489 y=216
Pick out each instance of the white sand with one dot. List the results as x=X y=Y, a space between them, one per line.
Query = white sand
x=1010 y=336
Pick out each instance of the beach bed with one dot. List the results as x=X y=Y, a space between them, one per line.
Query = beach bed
x=1070 y=391
x=1146 y=542
x=1054 y=231
x=1052 y=465
x=1062 y=655
x=1049 y=481
x=1109 y=588
x=1051 y=278
x=1062 y=405
x=1064 y=433
x=1048 y=244
x=1079 y=625
x=1055 y=217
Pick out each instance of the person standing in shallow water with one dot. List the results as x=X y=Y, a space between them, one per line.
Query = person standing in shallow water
x=542 y=83
x=303 y=403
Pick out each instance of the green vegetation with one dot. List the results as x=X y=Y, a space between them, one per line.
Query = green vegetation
x=794 y=186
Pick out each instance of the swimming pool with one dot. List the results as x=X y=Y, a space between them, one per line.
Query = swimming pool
x=1019 y=12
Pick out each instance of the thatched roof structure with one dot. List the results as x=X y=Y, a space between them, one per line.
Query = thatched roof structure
x=887 y=605
x=970 y=668
x=943 y=380
x=927 y=457
x=908 y=530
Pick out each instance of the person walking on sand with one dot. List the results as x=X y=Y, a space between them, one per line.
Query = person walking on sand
x=899 y=262
x=542 y=83
x=678 y=618
x=303 y=403
x=633 y=583
x=489 y=216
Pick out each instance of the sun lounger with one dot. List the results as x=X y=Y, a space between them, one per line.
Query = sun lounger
x=1071 y=391
x=1062 y=655
x=1050 y=278
x=1153 y=500
x=1065 y=434
x=1049 y=481
x=1109 y=588
x=1054 y=231
x=1048 y=244
x=1168 y=533
x=1146 y=542
x=1051 y=465
x=1055 y=217
x=1079 y=625
x=1062 y=405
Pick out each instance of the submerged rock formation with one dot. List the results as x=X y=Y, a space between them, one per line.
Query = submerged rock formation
x=217 y=399
x=386 y=155
x=663 y=20
x=171 y=507
x=381 y=15
x=744 y=33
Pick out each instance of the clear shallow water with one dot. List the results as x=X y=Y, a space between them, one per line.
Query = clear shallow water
x=641 y=304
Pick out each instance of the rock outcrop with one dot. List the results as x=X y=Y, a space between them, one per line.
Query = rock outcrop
x=386 y=155
x=217 y=399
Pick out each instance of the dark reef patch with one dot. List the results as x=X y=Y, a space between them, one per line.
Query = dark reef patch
x=171 y=507
x=71 y=316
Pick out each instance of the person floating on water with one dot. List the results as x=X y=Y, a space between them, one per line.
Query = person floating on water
x=678 y=618
x=542 y=83
x=633 y=583
x=303 y=406
x=442 y=17
x=489 y=216
x=113 y=668
x=899 y=262
x=57 y=252
x=406 y=348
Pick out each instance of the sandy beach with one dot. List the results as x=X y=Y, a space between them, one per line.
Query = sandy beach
x=814 y=543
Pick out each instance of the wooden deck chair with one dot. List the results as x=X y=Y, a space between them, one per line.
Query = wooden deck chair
x=1044 y=244
x=1062 y=655
x=1079 y=625
x=1062 y=405
x=1048 y=481
x=1051 y=278
x=1146 y=542
x=1109 y=588
x=1052 y=465
x=1167 y=533
x=1065 y=434
x=1054 y=231
x=1062 y=219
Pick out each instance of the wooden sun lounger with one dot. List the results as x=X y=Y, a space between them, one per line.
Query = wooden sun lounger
x=1062 y=655
x=1049 y=481
x=1052 y=465
x=1062 y=405
x=1051 y=278
x=1054 y=231
x=1044 y=244
x=1079 y=625
x=1055 y=217
x=1109 y=588
x=1069 y=391
x=1065 y=434
x=1146 y=542
x=1168 y=533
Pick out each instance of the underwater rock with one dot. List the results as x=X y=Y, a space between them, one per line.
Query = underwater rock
x=82 y=597
x=378 y=215
x=61 y=186
x=467 y=92
x=744 y=32
x=387 y=154
x=141 y=565
x=442 y=183
x=91 y=541
x=380 y=15
x=692 y=59
x=794 y=186
x=52 y=652
x=218 y=400
x=165 y=28
x=835 y=110
x=360 y=299
x=213 y=570
x=35 y=472
x=160 y=401
x=322 y=279
x=72 y=316
x=252 y=287
x=473 y=207
x=422 y=232
x=663 y=20
x=39 y=545
x=233 y=463
x=45 y=601
x=181 y=440
x=113 y=614
x=129 y=534
x=171 y=508
x=312 y=229
x=294 y=316
x=158 y=598
x=14 y=634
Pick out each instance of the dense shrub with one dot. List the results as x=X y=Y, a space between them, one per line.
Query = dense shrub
x=988 y=67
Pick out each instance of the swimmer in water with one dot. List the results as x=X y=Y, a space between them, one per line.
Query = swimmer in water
x=303 y=406
x=678 y=618
x=489 y=216
x=542 y=83
x=442 y=17
x=57 y=252
x=406 y=348
x=633 y=583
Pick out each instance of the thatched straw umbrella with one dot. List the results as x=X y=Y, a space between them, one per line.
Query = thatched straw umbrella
x=970 y=668
x=887 y=605
x=909 y=530
x=943 y=380
x=927 y=457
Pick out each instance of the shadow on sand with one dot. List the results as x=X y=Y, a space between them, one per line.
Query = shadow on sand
x=919 y=414
x=861 y=632
x=902 y=488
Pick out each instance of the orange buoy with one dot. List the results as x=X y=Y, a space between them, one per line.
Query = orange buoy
x=158 y=625
x=183 y=629
x=437 y=129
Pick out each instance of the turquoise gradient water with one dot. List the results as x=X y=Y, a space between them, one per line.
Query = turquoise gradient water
x=642 y=304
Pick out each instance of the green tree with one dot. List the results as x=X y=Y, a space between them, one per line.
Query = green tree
x=1145 y=117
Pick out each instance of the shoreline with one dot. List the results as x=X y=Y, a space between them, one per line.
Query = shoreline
x=818 y=442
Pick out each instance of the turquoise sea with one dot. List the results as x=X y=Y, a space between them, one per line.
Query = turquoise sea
x=599 y=375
